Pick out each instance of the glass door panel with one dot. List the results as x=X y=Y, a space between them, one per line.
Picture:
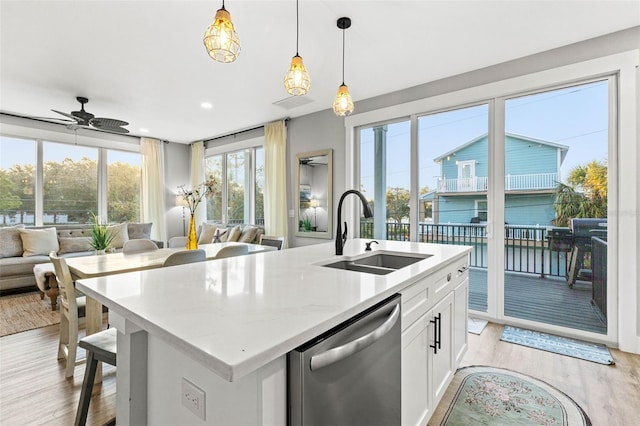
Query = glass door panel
x=556 y=157
x=453 y=176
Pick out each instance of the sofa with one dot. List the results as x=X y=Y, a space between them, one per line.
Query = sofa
x=220 y=232
x=21 y=248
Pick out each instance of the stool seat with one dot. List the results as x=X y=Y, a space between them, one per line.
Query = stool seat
x=102 y=347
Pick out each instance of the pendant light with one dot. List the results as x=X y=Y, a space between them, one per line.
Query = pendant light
x=297 y=80
x=343 y=104
x=221 y=40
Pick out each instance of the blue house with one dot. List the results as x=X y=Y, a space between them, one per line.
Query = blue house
x=532 y=172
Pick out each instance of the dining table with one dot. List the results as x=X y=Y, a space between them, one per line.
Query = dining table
x=117 y=263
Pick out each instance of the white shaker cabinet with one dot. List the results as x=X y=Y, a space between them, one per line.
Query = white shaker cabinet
x=434 y=338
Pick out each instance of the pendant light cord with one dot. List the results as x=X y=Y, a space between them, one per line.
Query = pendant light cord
x=297 y=28
x=223 y=5
x=343 y=56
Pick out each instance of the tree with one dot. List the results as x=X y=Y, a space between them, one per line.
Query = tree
x=397 y=204
x=584 y=196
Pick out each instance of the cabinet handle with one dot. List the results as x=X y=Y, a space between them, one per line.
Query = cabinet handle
x=437 y=339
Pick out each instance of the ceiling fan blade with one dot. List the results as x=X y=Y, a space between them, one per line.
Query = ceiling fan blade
x=109 y=124
x=73 y=117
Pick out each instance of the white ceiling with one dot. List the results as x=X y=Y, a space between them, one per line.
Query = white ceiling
x=144 y=61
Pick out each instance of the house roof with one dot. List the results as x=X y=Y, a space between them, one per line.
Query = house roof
x=563 y=148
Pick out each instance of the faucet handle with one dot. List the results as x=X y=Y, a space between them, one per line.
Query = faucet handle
x=368 y=245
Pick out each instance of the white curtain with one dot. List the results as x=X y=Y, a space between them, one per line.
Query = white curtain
x=153 y=204
x=275 y=184
x=197 y=177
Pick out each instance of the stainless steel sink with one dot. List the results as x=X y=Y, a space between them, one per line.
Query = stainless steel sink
x=378 y=263
x=393 y=261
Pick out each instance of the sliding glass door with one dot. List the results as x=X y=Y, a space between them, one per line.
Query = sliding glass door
x=555 y=206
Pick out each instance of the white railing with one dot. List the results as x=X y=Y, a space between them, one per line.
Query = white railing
x=511 y=183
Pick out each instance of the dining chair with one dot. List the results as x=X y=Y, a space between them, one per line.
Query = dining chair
x=185 y=256
x=175 y=242
x=231 y=251
x=273 y=241
x=138 y=245
x=70 y=304
x=100 y=347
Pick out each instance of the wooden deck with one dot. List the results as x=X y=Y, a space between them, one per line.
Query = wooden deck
x=547 y=300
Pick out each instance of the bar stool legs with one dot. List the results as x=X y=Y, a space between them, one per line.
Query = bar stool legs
x=100 y=347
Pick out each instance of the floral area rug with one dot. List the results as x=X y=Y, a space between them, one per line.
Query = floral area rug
x=493 y=396
x=556 y=344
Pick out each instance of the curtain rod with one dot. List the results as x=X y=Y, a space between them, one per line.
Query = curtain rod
x=286 y=120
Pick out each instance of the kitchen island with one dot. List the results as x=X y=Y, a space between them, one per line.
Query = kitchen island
x=226 y=325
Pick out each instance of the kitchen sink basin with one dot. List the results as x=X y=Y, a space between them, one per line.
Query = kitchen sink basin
x=378 y=263
x=392 y=261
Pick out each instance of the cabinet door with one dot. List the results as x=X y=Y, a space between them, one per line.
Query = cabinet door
x=416 y=403
x=460 y=334
x=442 y=357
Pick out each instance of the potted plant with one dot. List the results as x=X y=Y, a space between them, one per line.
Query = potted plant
x=307 y=224
x=101 y=237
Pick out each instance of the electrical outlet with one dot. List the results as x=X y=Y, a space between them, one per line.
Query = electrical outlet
x=193 y=398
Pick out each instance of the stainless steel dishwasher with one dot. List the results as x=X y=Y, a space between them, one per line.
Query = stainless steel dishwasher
x=349 y=375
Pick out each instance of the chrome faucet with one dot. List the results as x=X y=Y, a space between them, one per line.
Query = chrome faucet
x=341 y=237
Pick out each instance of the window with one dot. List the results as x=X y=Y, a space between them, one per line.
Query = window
x=240 y=177
x=67 y=187
x=481 y=210
x=17 y=181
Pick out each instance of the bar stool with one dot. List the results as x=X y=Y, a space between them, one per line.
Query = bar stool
x=100 y=346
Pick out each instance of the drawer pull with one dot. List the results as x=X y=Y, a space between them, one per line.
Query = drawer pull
x=449 y=277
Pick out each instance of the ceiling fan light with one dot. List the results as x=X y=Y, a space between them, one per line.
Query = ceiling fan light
x=221 y=40
x=297 y=80
x=343 y=104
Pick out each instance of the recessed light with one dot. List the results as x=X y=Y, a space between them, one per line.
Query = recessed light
x=143 y=130
x=206 y=105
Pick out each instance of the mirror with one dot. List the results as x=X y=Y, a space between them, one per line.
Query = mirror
x=314 y=194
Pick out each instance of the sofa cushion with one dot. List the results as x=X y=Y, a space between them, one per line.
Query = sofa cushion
x=234 y=233
x=139 y=231
x=120 y=235
x=248 y=234
x=10 y=241
x=207 y=232
x=16 y=266
x=72 y=245
x=39 y=241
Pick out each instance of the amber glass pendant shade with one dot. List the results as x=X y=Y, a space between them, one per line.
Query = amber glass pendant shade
x=297 y=80
x=221 y=40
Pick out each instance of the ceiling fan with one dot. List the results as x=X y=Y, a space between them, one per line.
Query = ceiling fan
x=86 y=119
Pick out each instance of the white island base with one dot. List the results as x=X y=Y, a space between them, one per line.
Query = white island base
x=214 y=336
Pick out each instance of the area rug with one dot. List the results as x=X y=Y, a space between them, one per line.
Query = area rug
x=481 y=395
x=559 y=345
x=475 y=325
x=22 y=312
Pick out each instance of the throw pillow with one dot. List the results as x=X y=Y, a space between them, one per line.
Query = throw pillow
x=37 y=242
x=120 y=235
x=74 y=244
x=10 y=241
x=248 y=234
x=207 y=233
x=219 y=233
x=234 y=233
x=139 y=231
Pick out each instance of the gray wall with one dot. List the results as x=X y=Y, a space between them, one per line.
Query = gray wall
x=177 y=160
x=324 y=129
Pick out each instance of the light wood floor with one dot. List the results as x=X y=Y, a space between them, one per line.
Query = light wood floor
x=610 y=394
x=33 y=390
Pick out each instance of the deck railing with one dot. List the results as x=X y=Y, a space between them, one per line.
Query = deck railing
x=526 y=247
x=534 y=181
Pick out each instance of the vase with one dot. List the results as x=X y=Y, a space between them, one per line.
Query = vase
x=103 y=251
x=192 y=237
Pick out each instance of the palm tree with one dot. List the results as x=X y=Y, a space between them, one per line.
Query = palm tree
x=585 y=195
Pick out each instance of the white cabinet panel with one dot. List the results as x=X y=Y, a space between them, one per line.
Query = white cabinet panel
x=416 y=407
x=460 y=334
x=441 y=350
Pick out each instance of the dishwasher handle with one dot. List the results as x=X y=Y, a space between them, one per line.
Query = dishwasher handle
x=341 y=352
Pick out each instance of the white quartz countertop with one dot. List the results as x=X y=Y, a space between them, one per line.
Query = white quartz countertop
x=237 y=314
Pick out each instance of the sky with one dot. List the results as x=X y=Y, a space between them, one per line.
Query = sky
x=576 y=117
